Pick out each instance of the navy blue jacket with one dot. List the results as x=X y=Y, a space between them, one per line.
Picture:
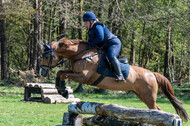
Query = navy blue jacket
x=99 y=34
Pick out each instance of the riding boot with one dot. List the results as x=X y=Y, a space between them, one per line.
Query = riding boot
x=116 y=65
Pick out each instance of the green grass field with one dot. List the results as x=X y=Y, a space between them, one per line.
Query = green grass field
x=14 y=111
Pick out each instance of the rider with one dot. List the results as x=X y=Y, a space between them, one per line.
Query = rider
x=99 y=35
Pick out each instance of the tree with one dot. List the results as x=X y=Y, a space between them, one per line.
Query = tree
x=37 y=33
x=3 y=43
x=167 y=53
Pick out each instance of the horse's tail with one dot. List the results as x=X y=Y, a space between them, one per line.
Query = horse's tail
x=168 y=91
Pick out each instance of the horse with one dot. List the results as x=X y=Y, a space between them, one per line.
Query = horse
x=141 y=81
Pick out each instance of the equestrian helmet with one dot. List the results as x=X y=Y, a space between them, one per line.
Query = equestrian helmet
x=89 y=16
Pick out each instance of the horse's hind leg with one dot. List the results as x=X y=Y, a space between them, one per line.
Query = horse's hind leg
x=149 y=102
x=147 y=94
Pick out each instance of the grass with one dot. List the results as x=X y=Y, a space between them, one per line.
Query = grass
x=14 y=111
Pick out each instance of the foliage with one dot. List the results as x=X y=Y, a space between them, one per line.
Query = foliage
x=28 y=76
x=2 y=83
x=142 y=23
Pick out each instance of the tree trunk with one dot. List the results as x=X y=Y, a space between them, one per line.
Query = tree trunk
x=44 y=25
x=80 y=19
x=167 y=53
x=118 y=17
x=3 y=44
x=30 y=47
x=132 y=55
x=173 y=62
x=189 y=62
x=39 y=34
x=189 y=56
x=36 y=36
x=100 y=9
x=141 y=43
x=52 y=30
x=62 y=20
x=181 y=64
x=50 y=24
x=110 y=15
x=73 y=28
x=79 y=88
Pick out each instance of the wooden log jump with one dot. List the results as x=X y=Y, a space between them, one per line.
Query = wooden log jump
x=49 y=93
x=148 y=116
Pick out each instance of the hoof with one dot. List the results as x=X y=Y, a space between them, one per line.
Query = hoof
x=65 y=94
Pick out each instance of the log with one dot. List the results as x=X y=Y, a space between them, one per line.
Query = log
x=59 y=99
x=52 y=101
x=55 y=96
x=154 y=117
x=49 y=91
x=40 y=85
x=54 y=91
x=52 y=96
x=44 y=85
x=110 y=121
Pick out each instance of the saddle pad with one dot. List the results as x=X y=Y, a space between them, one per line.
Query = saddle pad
x=103 y=69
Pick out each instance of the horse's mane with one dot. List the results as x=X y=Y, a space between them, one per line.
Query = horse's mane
x=72 y=41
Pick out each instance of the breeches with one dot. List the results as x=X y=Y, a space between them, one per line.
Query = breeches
x=113 y=48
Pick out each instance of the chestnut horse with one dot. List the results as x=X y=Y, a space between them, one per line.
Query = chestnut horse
x=142 y=82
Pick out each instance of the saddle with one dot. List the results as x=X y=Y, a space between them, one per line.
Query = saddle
x=106 y=70
x=108 y=64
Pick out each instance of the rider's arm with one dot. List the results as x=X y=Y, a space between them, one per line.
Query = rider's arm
x=99 y=31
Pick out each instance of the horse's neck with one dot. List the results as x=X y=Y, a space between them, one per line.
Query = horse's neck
x=78 y=51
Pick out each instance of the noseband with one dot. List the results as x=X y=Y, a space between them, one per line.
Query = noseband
x=50 y=61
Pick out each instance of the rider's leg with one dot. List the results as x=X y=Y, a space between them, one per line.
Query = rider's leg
x=116 y=65
x=113 y=51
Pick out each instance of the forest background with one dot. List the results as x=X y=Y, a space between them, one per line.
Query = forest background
x=155 y=34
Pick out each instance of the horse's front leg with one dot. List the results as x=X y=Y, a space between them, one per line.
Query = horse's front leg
x=77 y=77
x=60 y=83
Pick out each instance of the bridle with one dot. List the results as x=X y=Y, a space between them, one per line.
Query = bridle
x=52 y=55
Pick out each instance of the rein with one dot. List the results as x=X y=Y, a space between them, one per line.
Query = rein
x=60 y=62
x=89 y=57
